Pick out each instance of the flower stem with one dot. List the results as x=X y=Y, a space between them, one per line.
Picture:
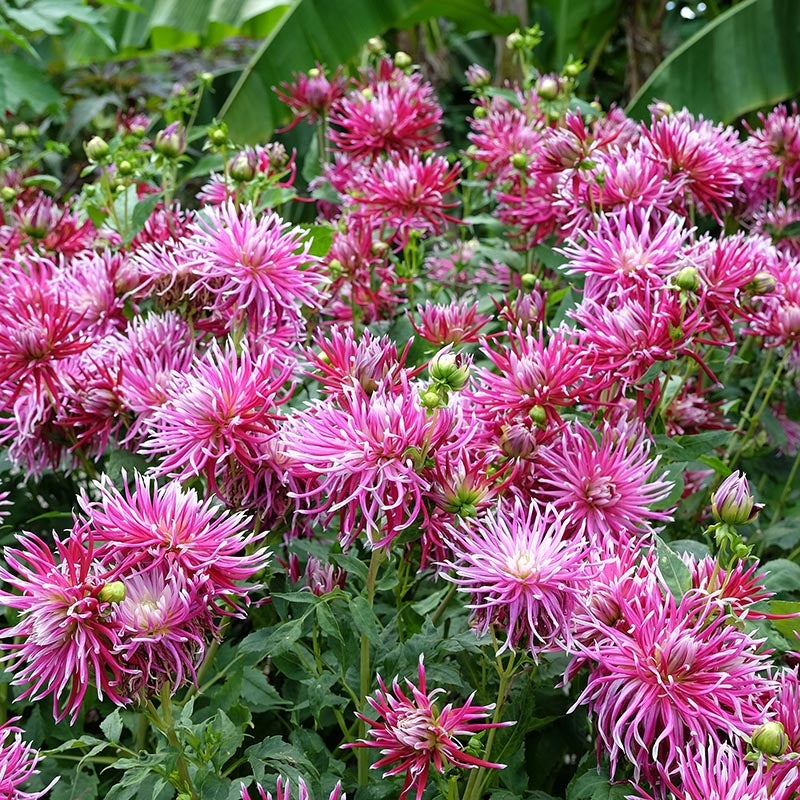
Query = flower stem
x=787 y=489
x=365 y=673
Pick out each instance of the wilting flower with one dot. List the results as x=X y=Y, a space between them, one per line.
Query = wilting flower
x=18 y=761
x=524 y=575
x=65 y=638
x=413 y=735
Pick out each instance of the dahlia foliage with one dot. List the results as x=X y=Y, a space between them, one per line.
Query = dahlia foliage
x=484 y=477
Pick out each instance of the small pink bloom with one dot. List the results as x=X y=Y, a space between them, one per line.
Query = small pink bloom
x=413 y=734
x=18 y=761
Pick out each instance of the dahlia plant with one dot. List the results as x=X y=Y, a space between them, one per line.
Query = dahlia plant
x=393 y=468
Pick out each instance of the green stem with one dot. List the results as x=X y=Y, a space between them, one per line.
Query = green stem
x=750 y=403
x=166 y=724
x=442 y=607
x=142 y=729
x=365 y=674
x=757 y=416
x=478 y=777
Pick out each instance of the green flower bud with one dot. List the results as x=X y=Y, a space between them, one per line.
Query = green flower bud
x=218 y=135
x=5 y=151
x=402 y=60
x=113 y=592
x=538 y=416
x=515 y=41
x=242 y=166
x=481 y=113
x=376 y=46
x=171 y=142
x=431 y=399
x=762 y=283
x=732 y=502
x=770 y=739
x=547 y=87
x=8 y=194
x=687 y=279
x=21 y=131
x=446 y=368
x=124 y=167
x=96 y=149
x=519 y=161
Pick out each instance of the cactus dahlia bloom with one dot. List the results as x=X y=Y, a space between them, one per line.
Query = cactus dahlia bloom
x=167 y=526
x=413 y=734
x=65 y=637
x=525 y=576
x=18 y=762
x=713 y=771
x=666 y=673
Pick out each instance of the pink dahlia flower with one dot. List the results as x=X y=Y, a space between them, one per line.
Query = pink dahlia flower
x=168 y=526
x=413 y=734
x=283 y=791
x=605 y=487
x=65 y=638
x=664 y=674
x=525 y=575
x=18 y=761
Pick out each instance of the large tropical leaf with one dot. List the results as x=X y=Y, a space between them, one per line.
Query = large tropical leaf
x=746 y=58
x=331 y=33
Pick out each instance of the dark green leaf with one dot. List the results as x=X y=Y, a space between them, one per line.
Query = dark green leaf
x=781 y=575
x=257 y=692
x=112 y=726
x=273 y=641
x=364 y=618
x=789 y=627
x=25 y=84
x=746 y=58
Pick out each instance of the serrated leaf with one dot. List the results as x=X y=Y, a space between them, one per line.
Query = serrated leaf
x=258 y=693
x=675 y=573
x=275 y=641
x=364 y=618
x=699 y=550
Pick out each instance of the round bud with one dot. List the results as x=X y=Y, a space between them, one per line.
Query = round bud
x=206 y=78
x=430 y=399
x=529 y=282
x=5 y=151
x=366 y=93
x=515 y=41
x=96 y=148
x=770 y=739
x=171 y=141
x=218 y=136
x=8 y=194
x=547 y=87
x=375 y=46
x=687 y=279
x=538 y=416
x=447 y=369
x=732 y=502
x=481 y=113
x=113 y=592
x=21 y=130
x=763 y=283
x=242 y=166
x=573 y=69
x=402 y=60
x=519 y=161
x=124 y=167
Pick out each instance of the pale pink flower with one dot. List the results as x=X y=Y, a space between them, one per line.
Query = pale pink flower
x=524 y=573
x=415 y=735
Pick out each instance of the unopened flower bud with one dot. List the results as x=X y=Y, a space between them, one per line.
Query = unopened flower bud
x=402 y=60
x=171 y=142
x=770 y=739
x=5 y=151
x=218 y=135
x=375 y=46
x=113 y=592
x=446 y=368
x=8 y=194
x=687 y=279
x=519 y=161
x=515 y=41
x=21 y=131
x=529 y=281
x=431 y=399
x=206 y=78
x=538 y=416
x=547 y=87
x=762 y=283
x=478 y=76
x=732 y=502
x=379 y=248
x=96 y=148
x=660 y=109
x=366 y=93
x=573 y=68
x=242 y=166
x=481 y=113
x=124 y=167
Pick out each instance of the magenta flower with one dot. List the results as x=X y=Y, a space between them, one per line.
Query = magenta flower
x=65 y=638
x=395 y=114
x=456 y=323
x=253 y=267
x=18 y=761
x=664 y=674
x=169 y=527
x=407 y=195
x=732 y=502
x=311 y=94
x=526 y=578
x=363 y=456
x=604 y=487
x=219 y=418
x=413 y=735
x=164 y=623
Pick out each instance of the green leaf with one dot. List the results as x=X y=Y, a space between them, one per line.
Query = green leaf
x=595 y=785
x=744 y=59
x=112 y=726
x=321 y=240
x=467 y=14
x=273 y=641
x=364 y=617
x=717 y=464
x=578 y=24
x=25 y=84
x=788 y=627
x=257 y=692
x=311 y=31
x=699 y=550
x=781 y=575
x=141 y=213
x=675 y=573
